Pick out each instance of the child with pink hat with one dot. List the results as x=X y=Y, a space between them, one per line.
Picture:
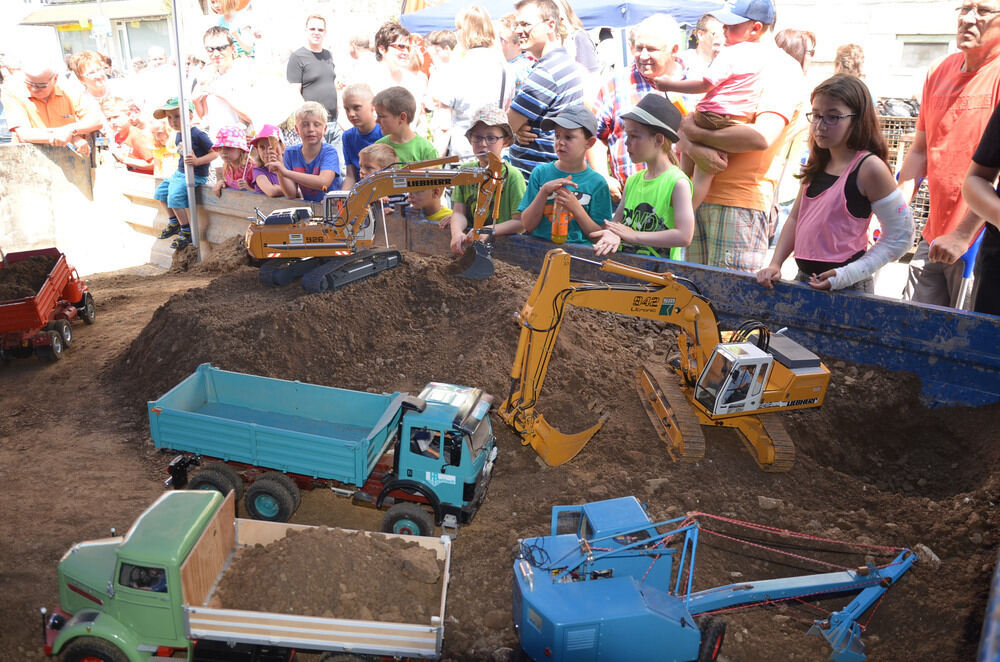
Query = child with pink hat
x=231 y=145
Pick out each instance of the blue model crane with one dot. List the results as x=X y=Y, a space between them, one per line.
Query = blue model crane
x=610 y=585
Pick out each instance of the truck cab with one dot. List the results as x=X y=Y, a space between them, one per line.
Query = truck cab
x=734 y=378
x=449 y=448
x=127 y=590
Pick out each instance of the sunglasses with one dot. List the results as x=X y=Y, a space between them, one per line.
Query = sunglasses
x=403 y=48
x=217 y=49
x=40 y=86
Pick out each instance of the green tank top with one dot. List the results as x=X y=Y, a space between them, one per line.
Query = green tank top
x=648 y=209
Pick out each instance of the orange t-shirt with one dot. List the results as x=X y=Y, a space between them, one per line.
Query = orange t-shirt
x=58 y=110
x=954 y=110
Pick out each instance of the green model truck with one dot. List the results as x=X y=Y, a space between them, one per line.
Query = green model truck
x=143 y=596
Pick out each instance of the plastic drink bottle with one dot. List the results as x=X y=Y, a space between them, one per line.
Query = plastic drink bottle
x=560 y=224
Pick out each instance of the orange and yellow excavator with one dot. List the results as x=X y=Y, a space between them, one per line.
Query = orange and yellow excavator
x=339 y=248
x=720 y=379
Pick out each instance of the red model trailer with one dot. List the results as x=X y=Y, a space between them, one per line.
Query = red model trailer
x=41 y=324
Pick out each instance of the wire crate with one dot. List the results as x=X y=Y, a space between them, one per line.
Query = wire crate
x=898 y=132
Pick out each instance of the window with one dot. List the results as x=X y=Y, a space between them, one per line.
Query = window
x=920 y=51
x=143 y=577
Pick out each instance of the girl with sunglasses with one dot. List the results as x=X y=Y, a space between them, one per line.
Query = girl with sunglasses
x=844 y=181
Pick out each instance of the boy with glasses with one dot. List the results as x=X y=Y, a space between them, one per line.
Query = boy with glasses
x=491 y=133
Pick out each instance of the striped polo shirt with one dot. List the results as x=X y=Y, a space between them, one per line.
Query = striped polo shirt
x=553 y=84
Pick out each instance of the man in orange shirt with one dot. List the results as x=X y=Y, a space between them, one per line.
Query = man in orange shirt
x=42 y=112
x=958 y=99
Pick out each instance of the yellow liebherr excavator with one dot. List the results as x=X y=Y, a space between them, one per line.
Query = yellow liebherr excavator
x=340 y=247
x=720 y=379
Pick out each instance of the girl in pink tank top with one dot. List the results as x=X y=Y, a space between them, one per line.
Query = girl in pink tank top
x=845 y=179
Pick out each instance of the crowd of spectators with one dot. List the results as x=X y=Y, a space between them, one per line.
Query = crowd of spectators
x=715 y=115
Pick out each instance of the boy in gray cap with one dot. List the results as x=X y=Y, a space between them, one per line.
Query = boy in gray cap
x=567 y=186
x=655 y=216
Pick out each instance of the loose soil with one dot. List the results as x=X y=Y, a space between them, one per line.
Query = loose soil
x=873 y=465
x=343 y=578
x=25 y=277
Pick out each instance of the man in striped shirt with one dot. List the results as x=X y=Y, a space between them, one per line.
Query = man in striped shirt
x=553 y=84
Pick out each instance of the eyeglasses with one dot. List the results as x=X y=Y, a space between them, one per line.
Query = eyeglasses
x=217 y=49
x=97 y=73
x=402 y=48
x=981 y=12
x=486 y=140
x=827 y=120
x=40 y=86
x=316 y=29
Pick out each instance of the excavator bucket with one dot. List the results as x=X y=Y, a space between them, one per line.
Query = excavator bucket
x=555 y=447
x=476 y=262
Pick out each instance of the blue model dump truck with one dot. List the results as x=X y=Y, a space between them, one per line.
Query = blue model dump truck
x=428 y=457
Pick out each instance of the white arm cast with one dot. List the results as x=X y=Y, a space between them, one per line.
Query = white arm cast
x=896 y=219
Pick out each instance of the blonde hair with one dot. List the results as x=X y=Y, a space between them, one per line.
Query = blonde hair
x=361 y=90
x=383 y=155
x=475 y=29
x=312 y=108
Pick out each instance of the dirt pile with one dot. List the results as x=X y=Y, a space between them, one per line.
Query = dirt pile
x=333 y=573
x=873 y=465
x=25 y=277
x=227 y=256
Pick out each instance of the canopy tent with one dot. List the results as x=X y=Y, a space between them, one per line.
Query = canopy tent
x=593 y=13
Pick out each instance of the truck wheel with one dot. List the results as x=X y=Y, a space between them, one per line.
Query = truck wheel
x=713 y=630
x=289 y=484
x=88 y=311
x=92 y=649
x=269 y=500
x=234 y=478
x=64 y=329
x=212 y=479
x=409 y=519
x=54 y=350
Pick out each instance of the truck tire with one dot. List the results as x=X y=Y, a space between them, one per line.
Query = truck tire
x=289 y=484
x=409 y=519
x=230 y=474
x=212 y=478
x=269 y=500
x=88 y=311
x=64 y=329
x=54 y=350
x=92 y=649
x=713 y=631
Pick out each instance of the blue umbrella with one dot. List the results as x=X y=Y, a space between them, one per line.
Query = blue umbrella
x=593 y=13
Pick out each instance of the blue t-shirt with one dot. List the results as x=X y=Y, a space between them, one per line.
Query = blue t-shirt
x=325 y=160
x=354 y=142
x=201 y=144
x=591 y=190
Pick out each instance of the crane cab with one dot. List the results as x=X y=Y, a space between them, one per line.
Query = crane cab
x=734 y=379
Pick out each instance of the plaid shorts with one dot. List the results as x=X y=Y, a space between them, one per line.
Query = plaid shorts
x=729 y=237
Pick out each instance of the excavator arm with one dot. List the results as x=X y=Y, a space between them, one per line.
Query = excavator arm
x=703 y=352
x=661 y=296
x=346 y=231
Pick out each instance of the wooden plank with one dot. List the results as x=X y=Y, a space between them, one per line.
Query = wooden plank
x=204 y=564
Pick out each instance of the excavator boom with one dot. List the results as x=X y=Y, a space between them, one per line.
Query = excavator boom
x=717 y=380
x=344 y=238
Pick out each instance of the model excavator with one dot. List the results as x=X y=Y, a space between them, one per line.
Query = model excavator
x=720 y=379
x=339 y=248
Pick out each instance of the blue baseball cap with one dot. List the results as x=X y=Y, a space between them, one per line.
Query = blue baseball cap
x=741 y=11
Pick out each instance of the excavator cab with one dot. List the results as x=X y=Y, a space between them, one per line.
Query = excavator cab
x=734 y=378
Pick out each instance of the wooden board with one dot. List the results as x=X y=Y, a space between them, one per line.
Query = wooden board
x=204 y=564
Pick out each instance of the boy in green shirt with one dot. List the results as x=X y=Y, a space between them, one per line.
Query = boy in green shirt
x=394 y=109
x=655 y=216
x=489 y=133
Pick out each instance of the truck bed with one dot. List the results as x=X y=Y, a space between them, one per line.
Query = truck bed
x=306 y=429
x=213 y=554
x=17 y=315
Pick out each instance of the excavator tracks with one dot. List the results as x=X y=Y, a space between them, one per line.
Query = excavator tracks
x=671 y=415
